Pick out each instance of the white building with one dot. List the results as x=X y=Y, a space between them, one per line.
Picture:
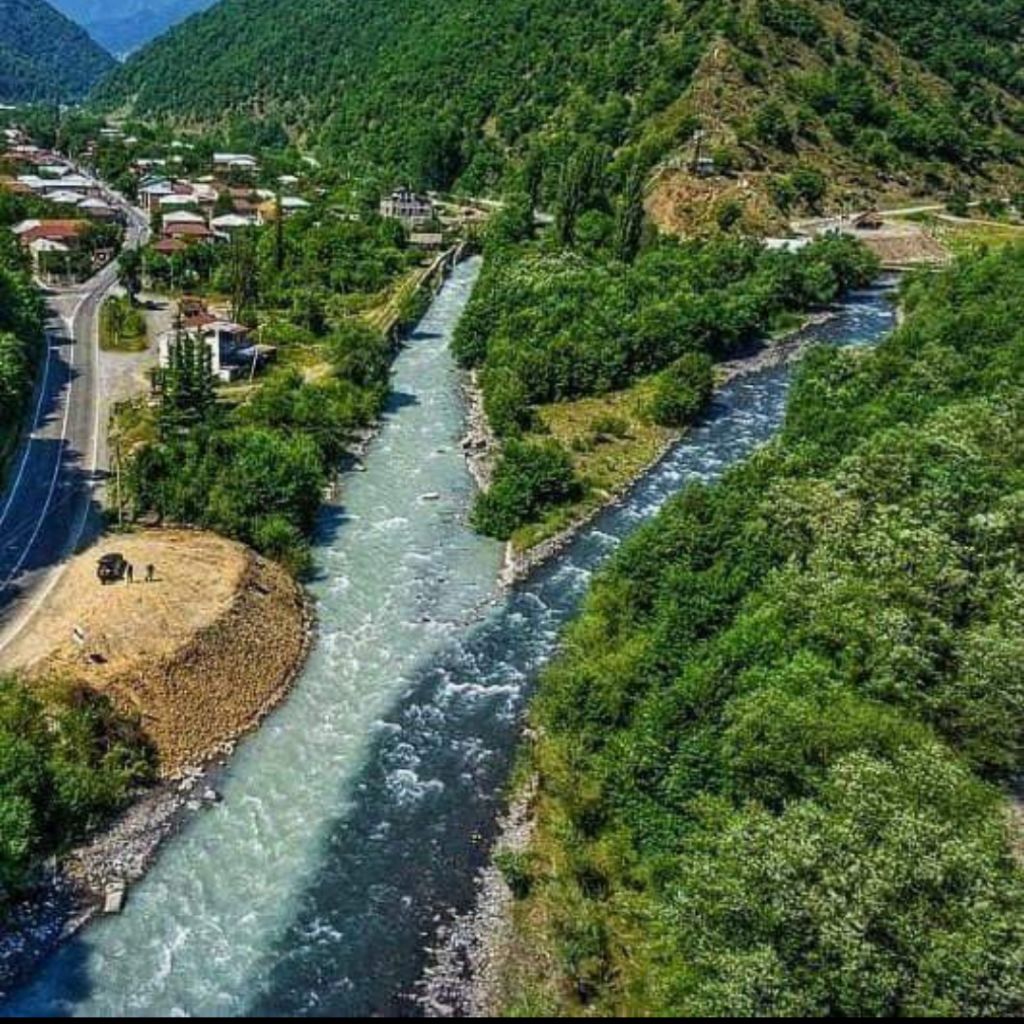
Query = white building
x=405 y=205
x=231 y=222
x=232 y=354
x=235 y=162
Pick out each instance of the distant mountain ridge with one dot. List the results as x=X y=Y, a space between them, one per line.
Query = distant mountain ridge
x=122 y=26
x=44 y=55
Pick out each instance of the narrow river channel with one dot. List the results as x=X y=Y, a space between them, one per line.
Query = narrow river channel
x=353 y=822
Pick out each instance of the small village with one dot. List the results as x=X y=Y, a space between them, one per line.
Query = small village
x=79 y=224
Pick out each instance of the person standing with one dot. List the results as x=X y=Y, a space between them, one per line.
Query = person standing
x=131 y=573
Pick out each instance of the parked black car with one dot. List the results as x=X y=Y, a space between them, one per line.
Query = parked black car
x=112 y=568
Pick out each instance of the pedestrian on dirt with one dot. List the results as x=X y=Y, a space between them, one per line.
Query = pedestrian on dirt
x=150 y=573
x=131 y=573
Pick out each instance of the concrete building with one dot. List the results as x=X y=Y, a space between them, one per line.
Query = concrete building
x=411 y=209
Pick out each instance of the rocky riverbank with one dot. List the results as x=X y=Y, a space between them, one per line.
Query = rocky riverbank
x=466 y=974
x=479 y=443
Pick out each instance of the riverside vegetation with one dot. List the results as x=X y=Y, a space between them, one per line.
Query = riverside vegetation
x=592 y=309
x=67 y=760
x=770 y=760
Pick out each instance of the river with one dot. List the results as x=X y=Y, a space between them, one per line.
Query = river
x=353 y=823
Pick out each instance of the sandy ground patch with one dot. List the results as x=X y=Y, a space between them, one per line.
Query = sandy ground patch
x=201 y=653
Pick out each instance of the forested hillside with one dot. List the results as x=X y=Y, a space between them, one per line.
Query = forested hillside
x=44 y=56
x=772 y=759
x=450 y=90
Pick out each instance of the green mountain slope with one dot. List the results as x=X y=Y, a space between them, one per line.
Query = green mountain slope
x=43 y=55
x=450 y=89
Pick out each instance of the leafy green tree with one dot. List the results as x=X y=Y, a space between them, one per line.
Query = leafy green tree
x=67 y=760
x=531 y=477
x=129 y=272
x=841 y=906
x=683 y=390
x=187 y=385
x=629 y=224
x=360 y=354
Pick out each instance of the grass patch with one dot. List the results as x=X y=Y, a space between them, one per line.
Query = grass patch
x=122 y=327
x=611 y=439
x=966 y=239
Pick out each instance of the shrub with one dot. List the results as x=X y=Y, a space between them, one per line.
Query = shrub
x=67 y=760
x=531 y=478
x=516 y=869
x=683 y=390
x=608 y=425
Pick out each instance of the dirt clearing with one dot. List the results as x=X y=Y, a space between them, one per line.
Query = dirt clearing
x=201 y=653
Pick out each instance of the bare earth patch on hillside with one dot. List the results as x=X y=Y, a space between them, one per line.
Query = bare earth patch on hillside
x=201 y=653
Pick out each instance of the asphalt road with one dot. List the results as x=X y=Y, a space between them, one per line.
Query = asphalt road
x=50 y=505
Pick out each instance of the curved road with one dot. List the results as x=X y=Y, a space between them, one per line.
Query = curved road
x=50 y=503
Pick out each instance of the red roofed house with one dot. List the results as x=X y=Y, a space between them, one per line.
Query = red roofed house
x=187 y=232
x=54 y=246
x=67 y=232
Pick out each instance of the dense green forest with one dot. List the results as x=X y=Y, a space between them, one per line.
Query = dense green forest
x=44 y=56
x=547 y=324
x=67 y=760
x=770 y=761
x=448 y=91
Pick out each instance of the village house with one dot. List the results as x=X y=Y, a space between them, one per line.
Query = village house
x=411 y=209
x=234 y=162
x=68 y=183
x=178 y=201
x=266 y=212
x=169 y=246
x=64 y=231
x=52 y=245
x=97 y=209
x=152 y=190
x=65 y=198
x=233 y=354
x=228 y=223
x=185 y=226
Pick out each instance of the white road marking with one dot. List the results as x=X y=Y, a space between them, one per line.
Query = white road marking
x=31 y=437
x=60 y=456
